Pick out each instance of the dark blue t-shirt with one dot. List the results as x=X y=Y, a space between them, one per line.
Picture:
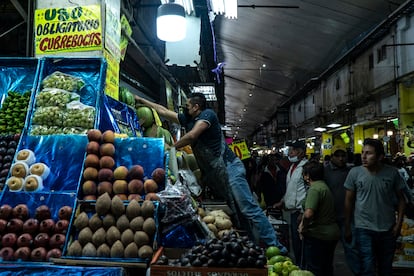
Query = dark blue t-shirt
x=212 y=137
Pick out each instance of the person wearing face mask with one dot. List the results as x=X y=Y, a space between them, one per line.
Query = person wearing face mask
x=295 y=194
x=221 y=169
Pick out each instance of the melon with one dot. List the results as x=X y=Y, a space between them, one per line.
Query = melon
x=145 y=116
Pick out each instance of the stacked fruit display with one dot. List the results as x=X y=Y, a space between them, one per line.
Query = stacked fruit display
x=35 y=238
x=231 y=250
x=148 y=122
x=13 y=112
x=26 y=173
x=114 y=230
x=58 y=107
x=8 y=145
x=101 y=176
x=218 y=222
x=279 y=264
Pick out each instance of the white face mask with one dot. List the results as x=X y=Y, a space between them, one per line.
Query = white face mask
x=293 y=159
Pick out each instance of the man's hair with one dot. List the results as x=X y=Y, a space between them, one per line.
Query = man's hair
x=376 y=144
x=198 y=98
x=314 y=169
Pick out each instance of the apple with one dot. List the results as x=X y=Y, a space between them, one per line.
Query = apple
x=31 y=226
x=5 y=211
x=57 y=241
x=22 y=253
x=41 y=240
x=65 y=212
x=7 y=253
x=9 y=240
x=61 y=226
x=42 y=212
x=20 y=211
x=24 y=240
x=47 y=226
x=15 y=183
x=38 y=254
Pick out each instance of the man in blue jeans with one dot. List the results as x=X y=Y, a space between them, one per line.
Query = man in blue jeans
x=370 y=190
x=222 y=171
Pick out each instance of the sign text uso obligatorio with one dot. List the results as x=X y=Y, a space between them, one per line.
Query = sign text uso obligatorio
x=68 y=29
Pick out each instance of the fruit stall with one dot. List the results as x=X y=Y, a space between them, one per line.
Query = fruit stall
x=86 y=183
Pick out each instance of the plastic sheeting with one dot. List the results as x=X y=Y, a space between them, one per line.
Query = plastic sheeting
x=18 y=74
x=63 y=154
x=144 y=151
x=49 y=269
x=119 y=117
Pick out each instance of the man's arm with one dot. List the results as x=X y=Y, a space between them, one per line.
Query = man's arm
x=161 y=110
x=401 y=208
x=349 y=209
x=192 y=135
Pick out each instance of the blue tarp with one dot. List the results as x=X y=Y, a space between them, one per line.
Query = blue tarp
x=51 y=269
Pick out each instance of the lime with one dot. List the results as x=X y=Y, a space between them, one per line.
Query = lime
x=272 y=251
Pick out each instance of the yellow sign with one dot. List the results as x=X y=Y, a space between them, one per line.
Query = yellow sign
x=240 y=149
x=68 y=29
x=112 y=76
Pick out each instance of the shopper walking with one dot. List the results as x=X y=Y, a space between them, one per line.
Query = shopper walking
x=222 y=170
x=295 y=193
x=369 y=190
x=318 y=228
x=335 y=173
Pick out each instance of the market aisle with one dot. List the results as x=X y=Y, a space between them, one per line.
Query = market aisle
x=340 y=266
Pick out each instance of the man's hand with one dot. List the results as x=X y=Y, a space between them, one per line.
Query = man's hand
x=396 y=230
x=278 y=205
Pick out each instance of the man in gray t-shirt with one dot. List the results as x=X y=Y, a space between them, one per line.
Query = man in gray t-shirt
x=370 y=190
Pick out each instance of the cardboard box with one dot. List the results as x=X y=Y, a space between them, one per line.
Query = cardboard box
x=161 y=270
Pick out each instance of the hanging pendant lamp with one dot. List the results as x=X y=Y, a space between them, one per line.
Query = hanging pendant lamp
x=171 y=23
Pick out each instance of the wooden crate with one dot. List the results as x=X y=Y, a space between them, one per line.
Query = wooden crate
x=161 y=270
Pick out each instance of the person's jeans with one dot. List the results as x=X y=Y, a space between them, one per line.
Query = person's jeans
x=318 y=256
x=296 y=241
x=351 y=252
x=376 y=251
x=248 y=206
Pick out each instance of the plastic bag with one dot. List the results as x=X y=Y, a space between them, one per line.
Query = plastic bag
x=48 y=116
x=79 y=115
x=55 y=97
x=189 y=180
x=63 y=81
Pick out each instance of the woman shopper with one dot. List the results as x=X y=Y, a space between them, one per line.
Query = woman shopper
x=318 y=228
